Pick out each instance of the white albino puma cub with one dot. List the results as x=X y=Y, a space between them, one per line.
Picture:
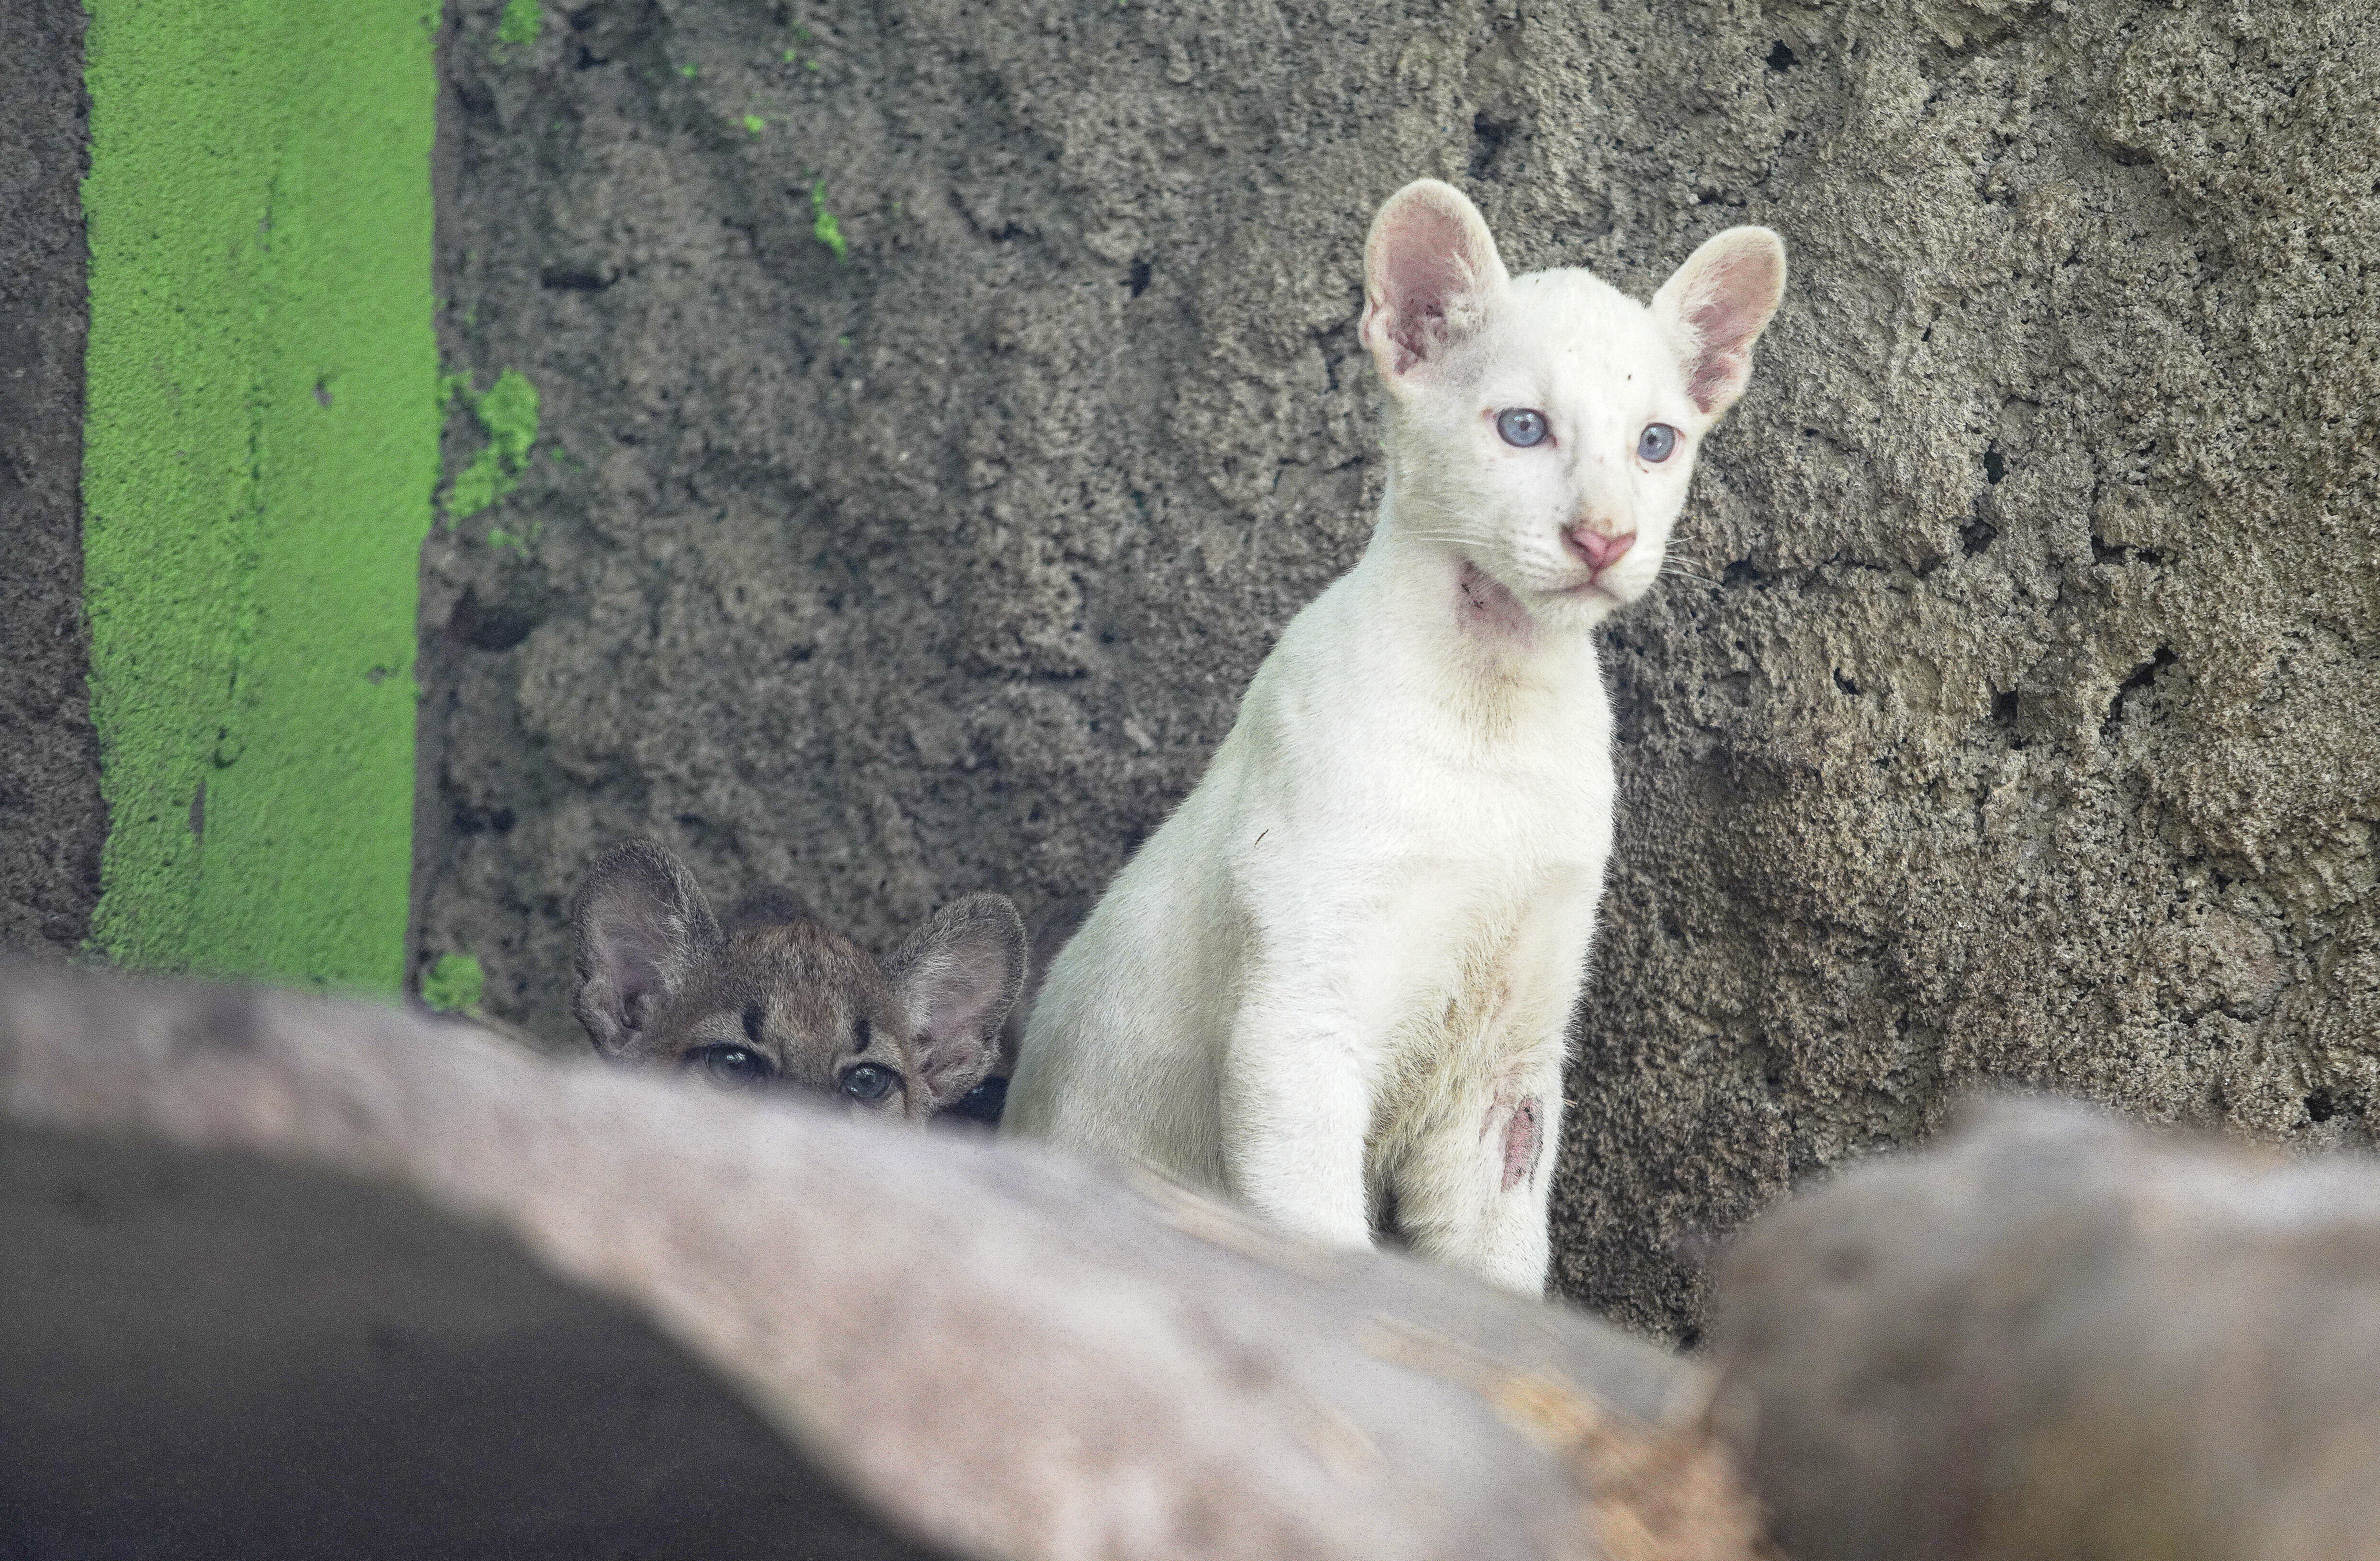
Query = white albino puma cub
x=1337 y=982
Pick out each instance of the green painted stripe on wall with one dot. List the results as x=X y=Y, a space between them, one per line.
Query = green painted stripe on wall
x=260 y=445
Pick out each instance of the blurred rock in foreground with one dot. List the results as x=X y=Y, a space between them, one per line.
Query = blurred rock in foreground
x=2059 y=1336
x=233 y=1239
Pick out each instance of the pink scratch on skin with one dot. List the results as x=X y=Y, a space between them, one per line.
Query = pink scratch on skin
x=1521 y=1140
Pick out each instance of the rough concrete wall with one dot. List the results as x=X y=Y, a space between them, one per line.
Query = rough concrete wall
x=51 y=817
x=2017 y=726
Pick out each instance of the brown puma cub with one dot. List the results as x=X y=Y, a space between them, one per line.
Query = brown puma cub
x=775 y=996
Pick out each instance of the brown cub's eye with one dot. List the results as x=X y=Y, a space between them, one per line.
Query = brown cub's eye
x=868 y=1083
x=729 y=1065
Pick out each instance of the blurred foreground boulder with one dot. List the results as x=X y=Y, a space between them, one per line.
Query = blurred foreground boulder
x=293 y=1276
x=2058 y=1336
x=209 y=1355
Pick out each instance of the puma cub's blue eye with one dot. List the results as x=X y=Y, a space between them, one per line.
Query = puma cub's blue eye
x=729 y=1065
x=1521 y=425
x=1659 y=440
x=870 y=1083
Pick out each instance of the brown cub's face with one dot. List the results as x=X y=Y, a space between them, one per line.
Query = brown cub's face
x=793 y=1004
x=779 y=998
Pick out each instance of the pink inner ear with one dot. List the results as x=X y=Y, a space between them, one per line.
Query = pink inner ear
x=1714 y=373
x=1422 y=271
x=1728 y=311
x=632 y=951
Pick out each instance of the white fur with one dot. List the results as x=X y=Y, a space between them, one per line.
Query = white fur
x=1331 y=977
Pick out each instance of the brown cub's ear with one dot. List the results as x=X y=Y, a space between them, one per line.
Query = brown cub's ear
x=1431 y=273
x=642 y=926
x=1715 y=307
x=958 y=975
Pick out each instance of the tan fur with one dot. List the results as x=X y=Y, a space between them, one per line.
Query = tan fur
x=812 y=989
x=781 y=999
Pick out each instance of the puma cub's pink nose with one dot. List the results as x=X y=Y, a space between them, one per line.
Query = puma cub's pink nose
x=1599 y=551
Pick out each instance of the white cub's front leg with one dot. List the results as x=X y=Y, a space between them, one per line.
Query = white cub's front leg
x=1294 y=1124
x=1298 y=1082
x=1473 y=1189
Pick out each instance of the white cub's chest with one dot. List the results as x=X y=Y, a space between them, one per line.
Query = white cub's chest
x=1398 y=736
x=1467 y=834
x=1514 y=815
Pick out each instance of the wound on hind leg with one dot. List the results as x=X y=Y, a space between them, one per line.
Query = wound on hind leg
x=1522 y=1138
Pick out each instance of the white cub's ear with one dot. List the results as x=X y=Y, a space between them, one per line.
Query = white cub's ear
x=1714 y=309
x=1431 y=274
